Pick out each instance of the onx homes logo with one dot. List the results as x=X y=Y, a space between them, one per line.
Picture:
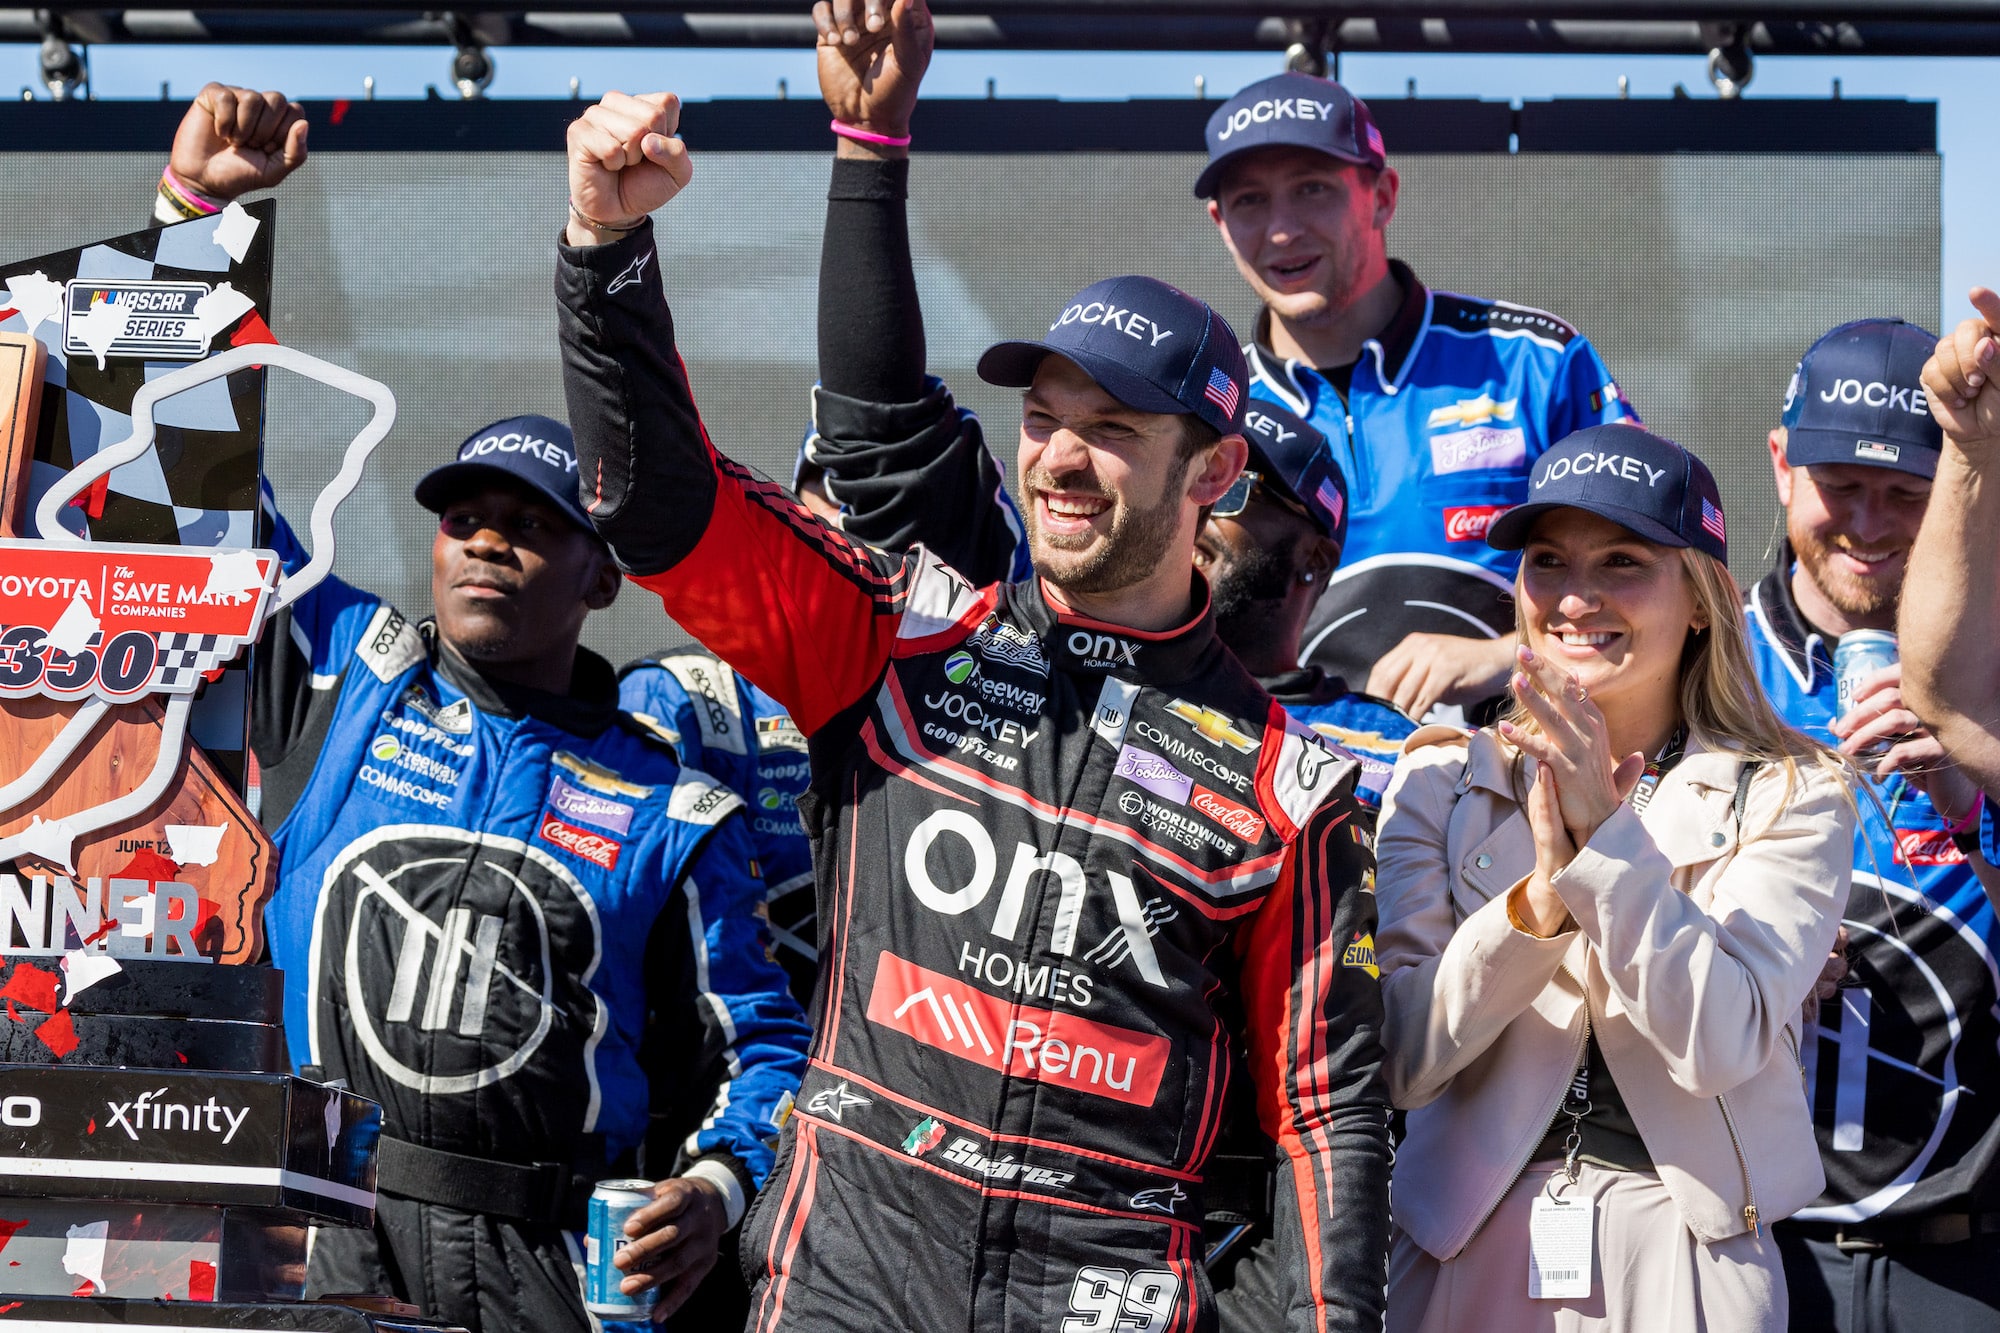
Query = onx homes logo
x=433 y=945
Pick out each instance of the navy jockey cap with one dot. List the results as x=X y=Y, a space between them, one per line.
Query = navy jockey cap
x=537 y=451
x=1150 y=346
x=1645 y=484
x=1291 y=110
x=1291 y=457
x=1857 y=397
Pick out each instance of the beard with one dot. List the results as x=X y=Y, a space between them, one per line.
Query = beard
x=1130 y=550
x=1248 y=592
x=1851 y=596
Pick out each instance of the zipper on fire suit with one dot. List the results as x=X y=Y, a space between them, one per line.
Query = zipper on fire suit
x=1749 y=1189
x=1582 y=1044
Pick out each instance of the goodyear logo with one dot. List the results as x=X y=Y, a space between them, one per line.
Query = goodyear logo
x=1361 y=953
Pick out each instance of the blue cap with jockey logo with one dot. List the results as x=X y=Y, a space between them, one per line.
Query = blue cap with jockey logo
x=1295 y=111
x=1857 y=397
x=1146 y=344
x=1292 y=458
x=537 y=451
x=1629 y=475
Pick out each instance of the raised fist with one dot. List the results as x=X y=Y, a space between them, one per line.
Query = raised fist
x=233 y=141
x=872 y=57
x=1959 y=377
x=624 y=162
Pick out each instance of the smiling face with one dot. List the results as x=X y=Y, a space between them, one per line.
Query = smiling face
x=1851 y=526
x=1108 y=493
x=1609 y=607
x=1306 y=229
x=512 y=579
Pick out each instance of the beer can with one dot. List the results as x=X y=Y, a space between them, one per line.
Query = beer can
x=1859 y=654
x=611 y=1203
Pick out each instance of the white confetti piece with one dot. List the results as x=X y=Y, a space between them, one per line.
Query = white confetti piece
x=36 y=296
x=84 y=1255
x=333 y=1119
x=82 y=970
x=220 y=309
x=235 y=230
x=232 y=573
x=73 y=628
x=100 y=326
x=50 y=839
x=195 y=844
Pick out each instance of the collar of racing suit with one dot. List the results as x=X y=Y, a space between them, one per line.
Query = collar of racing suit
x=1788 y=626
x=1079 y=643
x=1399 y=339
x=590 y=706
x=1303 y=685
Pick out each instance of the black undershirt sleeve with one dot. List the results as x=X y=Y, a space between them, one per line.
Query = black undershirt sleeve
x=871 y=327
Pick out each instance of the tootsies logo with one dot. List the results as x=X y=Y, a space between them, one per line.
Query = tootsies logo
x=1047 y=1046
x=1468 y=523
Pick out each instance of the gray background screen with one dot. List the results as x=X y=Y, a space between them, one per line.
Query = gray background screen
x=1700 y=278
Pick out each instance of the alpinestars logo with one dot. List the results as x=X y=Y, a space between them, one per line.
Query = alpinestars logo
x=630 y=277
x=1161 y=1200
x=150 y=1112
x=434 y=945
x=833 y=1102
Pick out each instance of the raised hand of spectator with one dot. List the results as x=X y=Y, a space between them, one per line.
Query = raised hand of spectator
x=1960 y=376
x=234 y=140
x=1880 y=714
x=1429 y=669
x=872 y=57
x=624 y=162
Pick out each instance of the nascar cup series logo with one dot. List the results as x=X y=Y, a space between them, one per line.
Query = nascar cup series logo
x=432 y=957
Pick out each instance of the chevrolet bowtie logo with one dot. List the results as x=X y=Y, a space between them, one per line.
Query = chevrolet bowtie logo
x=1473 y=412
x=1212 y=726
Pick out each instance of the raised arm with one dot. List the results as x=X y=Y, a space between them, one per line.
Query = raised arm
x=807 y=614
x=1951 y=596
x=1314 y=1013
x=230 y=142
x=903 y=461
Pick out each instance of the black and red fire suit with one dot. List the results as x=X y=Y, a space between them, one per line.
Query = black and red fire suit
x=1058 y=863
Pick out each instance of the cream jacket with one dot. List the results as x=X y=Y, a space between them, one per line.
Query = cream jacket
x=1689 y=959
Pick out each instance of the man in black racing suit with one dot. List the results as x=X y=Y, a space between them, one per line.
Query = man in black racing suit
x=1065 y=847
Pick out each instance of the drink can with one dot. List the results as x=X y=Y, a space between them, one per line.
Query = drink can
x=611 y=1203
x=1859 y=654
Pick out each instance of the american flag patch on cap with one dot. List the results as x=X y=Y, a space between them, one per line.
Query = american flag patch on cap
x=1711 y=520
x=1221 y=391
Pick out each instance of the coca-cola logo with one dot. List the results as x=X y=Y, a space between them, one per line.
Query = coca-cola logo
x=593 y=847
x=1468 y=523
x=1244 y=823
x=1927 y=847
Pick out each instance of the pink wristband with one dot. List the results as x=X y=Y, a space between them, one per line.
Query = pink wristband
x=1970 y=820
x=847 y=131
x=187 y=193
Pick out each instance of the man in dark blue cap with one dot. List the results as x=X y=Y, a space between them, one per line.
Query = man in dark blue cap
x=1903 y=1068
x=1436 y=405
x=1066 y=850
x=508 y=914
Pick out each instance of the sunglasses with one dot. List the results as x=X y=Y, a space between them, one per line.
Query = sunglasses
x=1237 y=497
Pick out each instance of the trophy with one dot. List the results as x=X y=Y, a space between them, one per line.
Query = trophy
x=159 y=1164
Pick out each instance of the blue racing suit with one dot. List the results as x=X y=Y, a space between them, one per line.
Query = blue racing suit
x=515 y=920
x=1436 y=431
x=1903 y=1068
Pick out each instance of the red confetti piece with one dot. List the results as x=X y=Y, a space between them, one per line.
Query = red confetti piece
x=58 y=1034
x=91 y=501
x=93 y=1126
x=149 y=865
x=340 y=106
x=32 y=987
x=10 y=312
x=85 y=1288
x=7 y=1230
x=182 y=1058
x=201 y=1281
x=252 y=329
x=11 y=1305
x=99 y=933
